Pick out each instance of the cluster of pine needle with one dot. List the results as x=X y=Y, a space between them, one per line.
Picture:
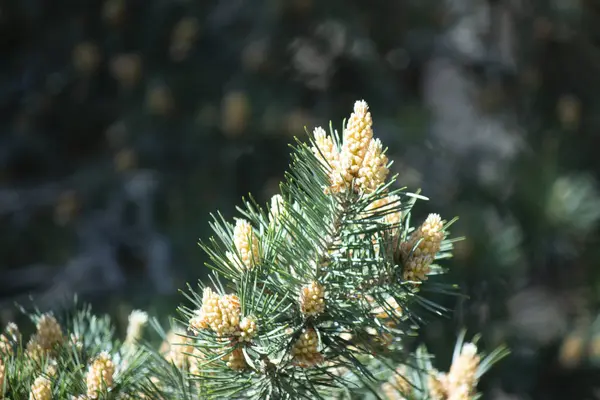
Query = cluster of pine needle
x=314 y=296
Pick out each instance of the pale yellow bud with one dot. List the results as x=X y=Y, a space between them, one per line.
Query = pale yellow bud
x=235 y=360
x=5 y=345
x=417 y=258
x=373 y=172
x=229 y=307
x=137 y=320
x=436 y=386
x=357 y=137
x=41 y=389
x=463 y=392
x=99 y=377
x=248 y=328
x=246 y=244
x=220 y=314
x=346 y=164
x=312 y=299
x=199 y=321
x=48 y=332
x=395 y=217
x=176 y=349
x=462 y=379
x=325 y=150
x=205 y=315
x=305 y=352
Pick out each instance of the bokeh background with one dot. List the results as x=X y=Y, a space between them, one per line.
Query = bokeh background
x=124 y=123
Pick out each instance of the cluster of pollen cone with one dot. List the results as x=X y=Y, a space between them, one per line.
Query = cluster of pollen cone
x=359 y=165
x=461 y=381
x=221 y=314
x=43 y=346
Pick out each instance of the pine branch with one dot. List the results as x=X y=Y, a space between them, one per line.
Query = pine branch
x=324 y=283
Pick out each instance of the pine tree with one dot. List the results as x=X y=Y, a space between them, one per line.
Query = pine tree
x=318 y=294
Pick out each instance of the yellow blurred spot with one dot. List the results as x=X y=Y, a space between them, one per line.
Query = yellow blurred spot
x=86 y=57
x=571 y=350
x=125 y=160
x=159 y=100
x=113 y=11
x=235 y=113
x=126 y=69
x=183 y=38
x=569 y=112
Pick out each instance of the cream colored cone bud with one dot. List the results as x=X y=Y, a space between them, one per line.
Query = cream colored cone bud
x=248 y=328
x=48 y=332
x=6 y=346
x=461 y=393
x=305 y=352
x=436 y=386
x=312 y=299
x=9 y=339
x=199 y=321
x=41 y=389
x=235 y=360
x=324 y=149
x=373 y=172
x=246 y=244
x=228 y=321
x=357 y=137
x=208 y=312
x=176 y=348
x=221 y=314
x=99 y=377
x=395 y=217
x=137 y=321
x=421 y=248
x=462 y=375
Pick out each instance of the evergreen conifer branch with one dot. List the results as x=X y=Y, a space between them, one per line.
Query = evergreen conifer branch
x=76 y=356
x=320 y=287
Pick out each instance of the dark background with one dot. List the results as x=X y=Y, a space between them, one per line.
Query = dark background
x=124 y=123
